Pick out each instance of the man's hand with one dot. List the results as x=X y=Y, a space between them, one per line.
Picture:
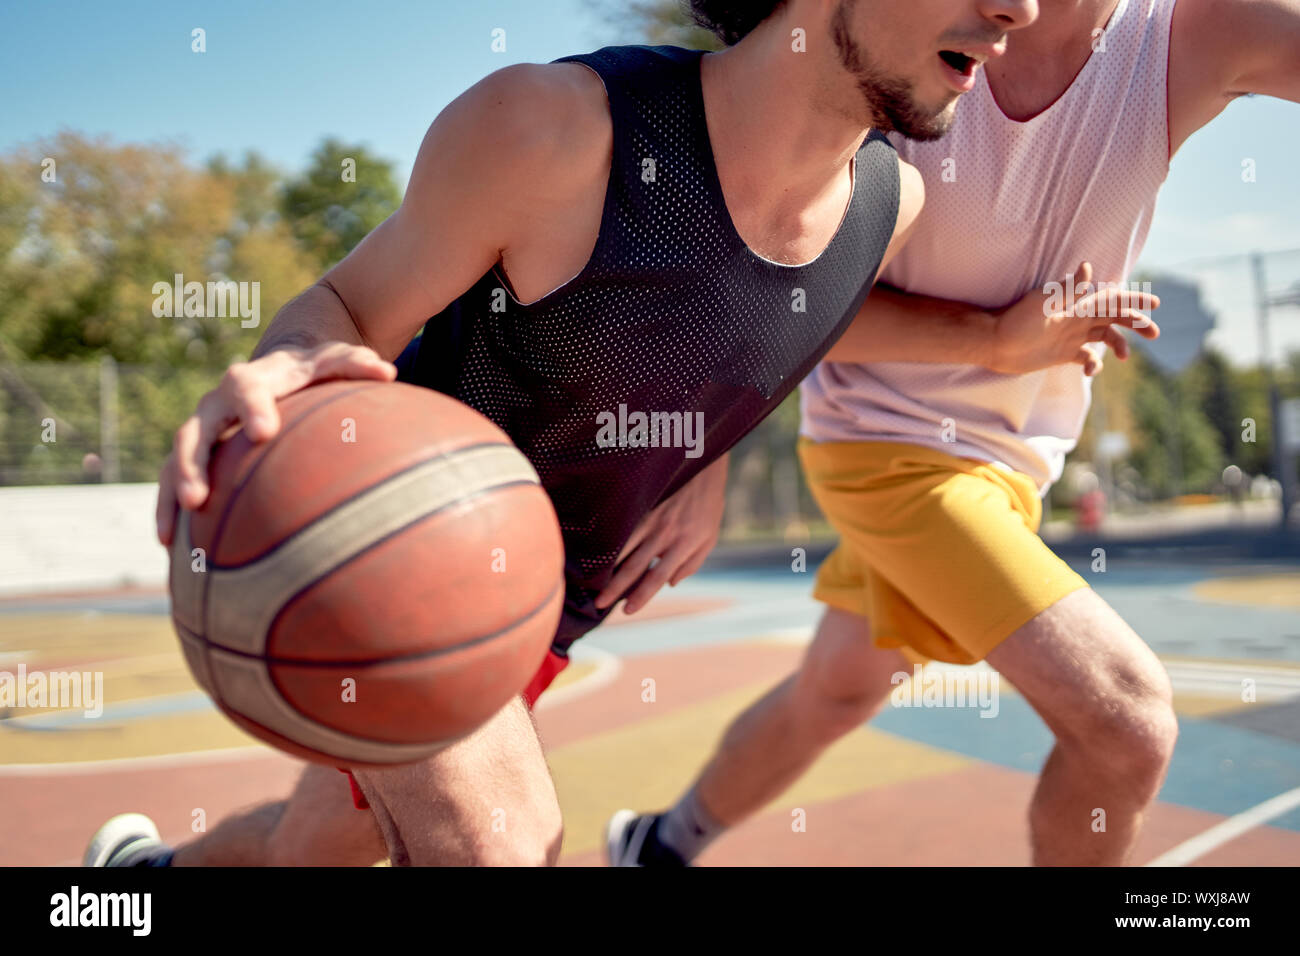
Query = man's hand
x=246 y=396
x=680 y=533
x=1029 y=336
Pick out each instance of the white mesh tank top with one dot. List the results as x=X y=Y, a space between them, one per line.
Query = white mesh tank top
x=1027 y=201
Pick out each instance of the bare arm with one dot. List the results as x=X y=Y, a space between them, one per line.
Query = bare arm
x=911 y=200
x=1255 y=44
x=1222 y=49
x=1029 y=334
x=897 y=326
x=470 y=201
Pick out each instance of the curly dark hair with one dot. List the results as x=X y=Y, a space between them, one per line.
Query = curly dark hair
x=730 y=19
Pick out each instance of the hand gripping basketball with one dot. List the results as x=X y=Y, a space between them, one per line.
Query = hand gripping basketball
x=371 y=582
x=247 y=396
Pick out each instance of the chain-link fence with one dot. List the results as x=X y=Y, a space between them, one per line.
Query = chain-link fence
x=80 y=422
x=91 y=422
x=88 y=422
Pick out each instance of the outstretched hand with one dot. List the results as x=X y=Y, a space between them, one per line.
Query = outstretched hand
x=1031 y=335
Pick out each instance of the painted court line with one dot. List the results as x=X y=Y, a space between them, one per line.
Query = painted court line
x=138 y=709
x=1189 y=676
x=1272 y=683
x=1228 y=830
x=608 y=667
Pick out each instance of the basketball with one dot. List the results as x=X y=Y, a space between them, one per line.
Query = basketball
x=374 y=582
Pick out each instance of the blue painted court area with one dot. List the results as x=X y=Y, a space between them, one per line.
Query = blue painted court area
x=1157 y=601
x=1217 y=768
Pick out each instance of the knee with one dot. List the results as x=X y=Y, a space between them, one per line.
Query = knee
x=553 y=845
x=836 y=695
x=533 y=841
x=545 y=850
x=533 y=827
x=1130 y=731
x=1148 y=746
x=836 y=714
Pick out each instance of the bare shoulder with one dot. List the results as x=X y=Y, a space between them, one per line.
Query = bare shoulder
x=1222 y=49
x=1231 y=29
x=911 y=195
x=552 y=104
x=545 y=119
x=1203 y=37
x=531 y=125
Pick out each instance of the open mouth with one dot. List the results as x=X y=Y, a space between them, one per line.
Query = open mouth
x=960 y=62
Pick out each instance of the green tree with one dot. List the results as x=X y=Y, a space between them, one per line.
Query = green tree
x=80 y=255
x=115 y=221
x=256 y=186
x=329 y=211
x=1253 y=457
x=1219 y=399
x=1176 y=448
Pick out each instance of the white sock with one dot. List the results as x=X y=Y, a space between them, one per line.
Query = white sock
x=688 y=828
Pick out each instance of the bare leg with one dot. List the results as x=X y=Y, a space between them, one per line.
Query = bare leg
x=843 y=682
x=485 y=800
x=316 y=826
x=1109 y=702
x=1100 y=690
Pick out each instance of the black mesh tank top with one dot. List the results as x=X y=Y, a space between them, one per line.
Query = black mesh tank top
x=673 y=313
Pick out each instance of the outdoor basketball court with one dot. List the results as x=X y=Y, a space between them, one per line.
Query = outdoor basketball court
x=647 y=698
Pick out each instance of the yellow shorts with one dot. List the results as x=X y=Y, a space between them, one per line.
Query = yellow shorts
x=941 y=554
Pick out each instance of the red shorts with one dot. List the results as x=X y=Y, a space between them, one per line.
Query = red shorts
x=549 y=670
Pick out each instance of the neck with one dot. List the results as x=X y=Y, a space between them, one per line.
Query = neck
x=777 y=139
x=1043 y=59
x=1066 y=31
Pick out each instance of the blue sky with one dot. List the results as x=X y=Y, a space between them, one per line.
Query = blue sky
x=279 y=76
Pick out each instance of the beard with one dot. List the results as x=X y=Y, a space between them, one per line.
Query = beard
x=888 y=99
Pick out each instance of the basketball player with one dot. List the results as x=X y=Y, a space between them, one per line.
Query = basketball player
x=649 y=215
x=1057 y=156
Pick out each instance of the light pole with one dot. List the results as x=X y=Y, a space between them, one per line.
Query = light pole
x=1283 y=457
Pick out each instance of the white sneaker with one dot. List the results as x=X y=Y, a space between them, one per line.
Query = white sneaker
x=129 y=839
x=625 y=834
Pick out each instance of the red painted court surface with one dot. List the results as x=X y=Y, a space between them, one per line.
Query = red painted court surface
x=917 y=786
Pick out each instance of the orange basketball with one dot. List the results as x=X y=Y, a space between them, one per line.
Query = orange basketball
x=373 y=583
